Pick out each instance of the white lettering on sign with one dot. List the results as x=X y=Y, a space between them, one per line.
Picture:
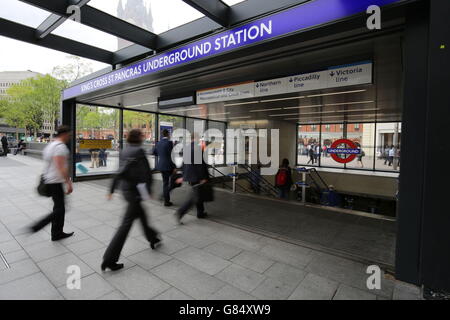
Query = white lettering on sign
x=334 y=77
x=239 y=91
x=350 y=75
x=307 y=81
x=271 y=87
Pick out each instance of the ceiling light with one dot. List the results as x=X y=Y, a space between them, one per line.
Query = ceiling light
x=263 y=110
x=240 y=103
x=182 y=110
x=246 y=117
x=301 y=107
x=283 y=114
x=281 y=99
x=347 y=103
x=149 y=103
x=334 y=93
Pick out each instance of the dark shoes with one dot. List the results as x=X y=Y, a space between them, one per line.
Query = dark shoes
x=168 y=204
x=154 y=242
x=62 y=236
x=204 y=215
x=111 y=266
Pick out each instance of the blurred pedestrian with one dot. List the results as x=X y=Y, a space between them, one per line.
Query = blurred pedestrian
x=135 y=176
x=195 y=172
x=56 y=174
x=164 y=164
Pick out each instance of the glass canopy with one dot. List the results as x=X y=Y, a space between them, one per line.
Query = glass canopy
x=143 y=26
x=156 y=16
x=20 y=12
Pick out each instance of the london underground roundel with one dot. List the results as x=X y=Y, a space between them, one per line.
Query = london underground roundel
x=343 y=150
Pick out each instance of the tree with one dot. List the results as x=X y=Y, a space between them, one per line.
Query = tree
x=47 y=93
x=73 y=70
x=34 y=101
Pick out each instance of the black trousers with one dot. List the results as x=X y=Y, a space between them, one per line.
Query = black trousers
x=166 y=185
x=5 y=149
x=134 y=211
x=56 y=218
x=189 y=203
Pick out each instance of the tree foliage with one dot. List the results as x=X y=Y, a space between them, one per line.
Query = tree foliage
x=73 y=70
x=32 y=102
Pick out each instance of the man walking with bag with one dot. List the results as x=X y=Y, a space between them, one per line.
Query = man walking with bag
x=164 y=164
x=195 y=172
x=54 y=177
x=135 y=176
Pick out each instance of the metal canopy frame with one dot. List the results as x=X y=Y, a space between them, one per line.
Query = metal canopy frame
x=218 y=15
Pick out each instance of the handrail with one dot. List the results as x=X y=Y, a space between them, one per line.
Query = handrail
x=269 y=188
x=227 y=176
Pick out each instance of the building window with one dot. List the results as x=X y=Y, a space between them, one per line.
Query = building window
x=378 y=142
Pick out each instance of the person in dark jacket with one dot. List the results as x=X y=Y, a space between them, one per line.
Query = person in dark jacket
x=284 y=179
x=164 y=164
x=133 y=173
x=20 y=147
x=4 y=141
x=195 y=172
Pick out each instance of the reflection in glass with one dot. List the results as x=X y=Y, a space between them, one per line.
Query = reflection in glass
x=97 y=140
x=172 y=123
x=363 y=135
x=330 y=133
x=216 y=144
x=388 y=145
x=307 y=144
x=146 y=122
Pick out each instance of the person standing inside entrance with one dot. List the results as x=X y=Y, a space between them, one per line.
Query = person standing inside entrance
x=4 y=141
x=55 y=176
x=164 y=163
x=283 y=179
x=135 y=176
x=195 y=172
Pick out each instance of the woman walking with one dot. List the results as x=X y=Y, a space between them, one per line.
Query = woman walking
x=136 y=179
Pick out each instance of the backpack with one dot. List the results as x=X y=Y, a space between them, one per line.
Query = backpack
x=281 y=177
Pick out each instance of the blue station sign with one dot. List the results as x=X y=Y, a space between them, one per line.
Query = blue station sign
x=311 y=14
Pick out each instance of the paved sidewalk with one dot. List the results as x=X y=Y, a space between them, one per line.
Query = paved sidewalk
x=198 y=260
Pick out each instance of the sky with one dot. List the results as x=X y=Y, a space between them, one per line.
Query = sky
x=17 y=56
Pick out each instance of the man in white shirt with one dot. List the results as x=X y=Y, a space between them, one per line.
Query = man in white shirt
x=391 y=155
x=56 y=174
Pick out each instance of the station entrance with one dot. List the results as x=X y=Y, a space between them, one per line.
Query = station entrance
x=314 y=98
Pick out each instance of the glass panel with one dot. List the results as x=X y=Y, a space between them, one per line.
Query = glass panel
x=363 y=135
x=307 y=142
x=196 y=126
x=20 y=12
x=84 y=34
x=156 y=16
x=147 y=123
x=216 y=145
x=388 y=146
x=97 y=140
x=330 y=133
x=172 y=123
